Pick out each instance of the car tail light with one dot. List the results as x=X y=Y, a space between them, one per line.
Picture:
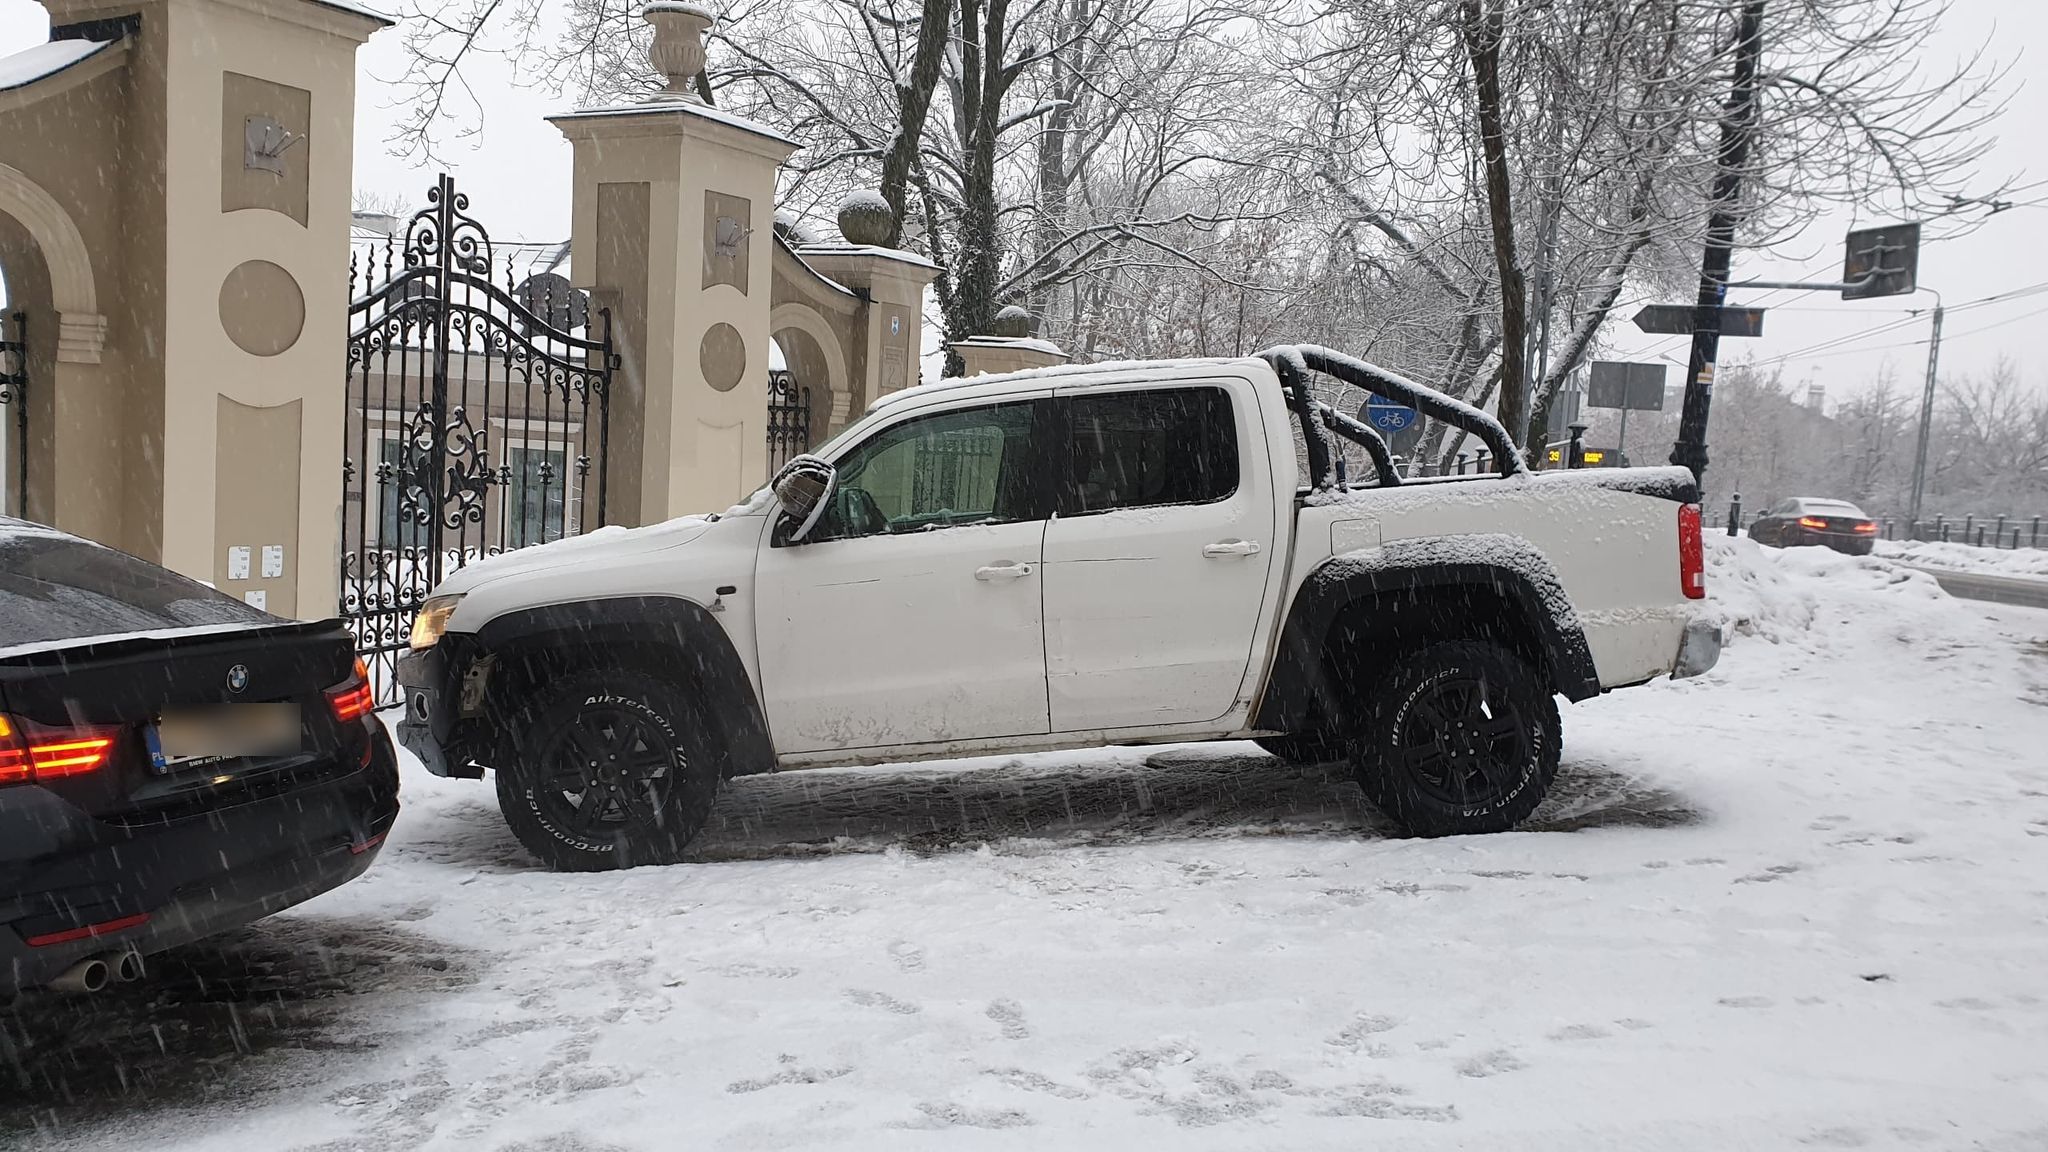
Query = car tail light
x=354 y=699
x=1812 y=522
x=31 y=752
x=1867 y=528
x=1692 y=557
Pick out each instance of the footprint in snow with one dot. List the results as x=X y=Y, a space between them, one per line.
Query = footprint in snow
x=1768 y=875
x=908 y=957
x=1010 y=1015
x=1745 y=1002
x=1581 y=1032
x=867 y=999
x=1354 y=1037
x=948 y=1115
x=746 y=970
x=1490 y=1064
x=1037 y=1082
x=1633 y=1024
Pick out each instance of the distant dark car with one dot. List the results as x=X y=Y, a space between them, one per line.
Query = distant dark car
x=1807 y=520
x=173 y=762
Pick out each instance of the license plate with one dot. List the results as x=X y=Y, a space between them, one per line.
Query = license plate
x=185 y=735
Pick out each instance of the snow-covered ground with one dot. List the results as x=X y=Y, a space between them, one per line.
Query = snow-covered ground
x=1802 y=901
x=1964 y=558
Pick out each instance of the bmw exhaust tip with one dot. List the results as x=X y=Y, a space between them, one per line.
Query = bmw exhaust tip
x=126 y=967
x=84 y=978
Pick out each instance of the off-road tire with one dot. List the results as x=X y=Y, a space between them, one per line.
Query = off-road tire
x=1458 y=738
x=645 y=761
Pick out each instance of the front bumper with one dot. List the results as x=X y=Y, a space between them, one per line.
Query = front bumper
x=427 y=729
x=1698 y=650
x=191 y=877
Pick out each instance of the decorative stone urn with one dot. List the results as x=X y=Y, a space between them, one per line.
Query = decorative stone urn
x=678 y=49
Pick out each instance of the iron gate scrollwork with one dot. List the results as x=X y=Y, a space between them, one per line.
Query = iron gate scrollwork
x=477 y=418
x=789 y=419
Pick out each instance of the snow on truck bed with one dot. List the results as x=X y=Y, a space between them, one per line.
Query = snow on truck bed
x=1796 y=902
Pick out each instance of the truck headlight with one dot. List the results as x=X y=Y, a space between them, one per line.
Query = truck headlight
x=432 y=621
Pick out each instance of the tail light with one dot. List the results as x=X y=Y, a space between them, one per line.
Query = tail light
x=31 y=752
x=353 y=699
x=1867 y=528
x=1812 y=522
x=1692 y=553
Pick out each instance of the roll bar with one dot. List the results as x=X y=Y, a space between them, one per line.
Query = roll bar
x=1293 y=362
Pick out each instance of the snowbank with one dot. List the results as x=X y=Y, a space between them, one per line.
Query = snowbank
x=1774 y=593
x=1964 y=558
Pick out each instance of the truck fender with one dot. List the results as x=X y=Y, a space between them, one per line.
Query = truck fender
x=1414 y=571
x=703 y=651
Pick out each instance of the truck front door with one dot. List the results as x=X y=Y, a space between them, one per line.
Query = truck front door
x=912 y=613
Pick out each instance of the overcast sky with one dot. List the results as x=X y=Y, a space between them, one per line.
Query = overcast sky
x=516 y=170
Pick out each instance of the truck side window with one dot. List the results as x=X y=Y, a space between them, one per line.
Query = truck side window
x=970 y=466
x=1146 y=449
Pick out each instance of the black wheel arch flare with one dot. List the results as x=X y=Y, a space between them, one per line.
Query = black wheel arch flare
x=1407 y=575
x=705 y=656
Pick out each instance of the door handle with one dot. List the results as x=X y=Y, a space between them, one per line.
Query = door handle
x=1224 y=548
x=1004 y=571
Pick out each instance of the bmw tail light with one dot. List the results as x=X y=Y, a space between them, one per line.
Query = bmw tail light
x=1812 y=522
x=31 y=752
x=1867 y=528
x=1692 y=553
x=354 y=698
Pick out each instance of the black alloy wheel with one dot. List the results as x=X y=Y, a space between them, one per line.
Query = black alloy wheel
x=608 y=768
x=1457 y=738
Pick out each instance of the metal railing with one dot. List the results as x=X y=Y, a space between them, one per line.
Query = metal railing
x=1998 y=531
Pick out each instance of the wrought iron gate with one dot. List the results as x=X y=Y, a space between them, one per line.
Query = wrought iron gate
x=789 y=419
x=14 y=400
x=477 y=418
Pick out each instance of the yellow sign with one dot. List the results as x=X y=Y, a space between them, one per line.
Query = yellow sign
x=1591 y=455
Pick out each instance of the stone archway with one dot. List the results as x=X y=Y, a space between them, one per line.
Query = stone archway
x=72 y=294
x=813 y=353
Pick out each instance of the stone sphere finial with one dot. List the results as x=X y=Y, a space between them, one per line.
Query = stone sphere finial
x=1013 y=322
x=678 y=49
x=866 y=218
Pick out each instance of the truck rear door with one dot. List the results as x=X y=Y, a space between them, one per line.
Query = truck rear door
x=1156 y=562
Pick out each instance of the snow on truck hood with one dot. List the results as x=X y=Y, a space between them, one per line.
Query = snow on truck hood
x=597 y=546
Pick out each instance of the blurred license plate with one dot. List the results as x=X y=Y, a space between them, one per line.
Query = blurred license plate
x=226 y=730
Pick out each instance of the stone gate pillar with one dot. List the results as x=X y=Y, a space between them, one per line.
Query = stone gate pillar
x=213 y=180
x=674 y=203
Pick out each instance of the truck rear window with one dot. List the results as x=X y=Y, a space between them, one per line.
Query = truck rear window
x=56 y=587
x=1151 y=448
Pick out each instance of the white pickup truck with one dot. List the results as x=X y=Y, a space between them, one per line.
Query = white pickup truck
x=1092 y=555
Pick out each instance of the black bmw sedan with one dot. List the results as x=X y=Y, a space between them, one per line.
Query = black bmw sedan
x=173 y=762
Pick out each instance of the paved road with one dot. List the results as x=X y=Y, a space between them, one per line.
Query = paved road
x=2019 y=590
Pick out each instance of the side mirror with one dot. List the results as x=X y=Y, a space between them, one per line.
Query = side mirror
x=804 y=487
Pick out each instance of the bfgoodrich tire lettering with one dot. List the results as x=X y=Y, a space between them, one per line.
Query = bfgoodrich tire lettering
x=610 y=769
x=1460 y=737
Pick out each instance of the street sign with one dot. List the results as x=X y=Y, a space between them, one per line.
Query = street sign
x=1676 y=320
x=1622 y=385
x=1888 y=257
x=1388 y=416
